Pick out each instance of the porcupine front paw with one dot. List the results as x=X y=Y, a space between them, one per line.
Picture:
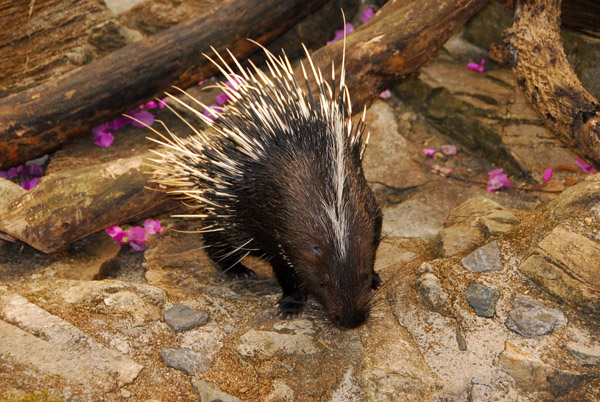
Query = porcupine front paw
x=291 y=306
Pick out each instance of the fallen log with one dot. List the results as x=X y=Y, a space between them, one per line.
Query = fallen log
x=40 y=119
x=533 y=48
x=66 y=206
x=69 y=205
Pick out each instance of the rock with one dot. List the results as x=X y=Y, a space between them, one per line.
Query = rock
x=268 y=343
x=182 y=318
x=211 y=393
x=482 y=299
x=389 y=154
x=586 y=353
x=485 y=112
x=565 y=265
x=186 y=360
x=583 y=52
x=471 y=222
x=281 y=392
x=422 y=216
x=434 y=295
x=531 y=318
x=531 y=374
x=485 y=258
x=487 y=26
x=45 y=342
x=139 y=301
x=348 y=389
x=393 y=368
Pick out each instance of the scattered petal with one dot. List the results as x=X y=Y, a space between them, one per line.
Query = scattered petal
x=28 y=184
x=548 y=174
x=235 y=81
x=137 y=234
x=116 y=233
x=104 y=140
x=477 y=67
x=429 y=151
x=339 y=33
x=585 y=166
x=497 y=180
x=385 y=94
x=116 y=124
x=367 y=14
x=103 y=128
x=152 y=226
x=222 y=98
x=145 y=118
x=162 y=103
x=215 y=108
x=449 y=149
x=201 y=82
x=151 y=105
x=4 y=174
x=136 y=247
x=34 y=170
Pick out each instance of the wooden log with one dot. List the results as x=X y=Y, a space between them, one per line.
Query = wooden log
x=40 y=119
x=69 y=205
x=46 y=38
x=533 y=47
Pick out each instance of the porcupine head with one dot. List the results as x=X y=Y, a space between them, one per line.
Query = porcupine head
x=279 y=175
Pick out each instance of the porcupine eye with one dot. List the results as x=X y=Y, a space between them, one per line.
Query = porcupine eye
x=317 y=252
x=322 y=282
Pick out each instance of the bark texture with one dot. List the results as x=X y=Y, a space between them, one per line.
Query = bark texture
x=533 y=47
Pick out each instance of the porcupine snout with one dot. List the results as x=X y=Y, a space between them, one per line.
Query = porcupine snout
x=352 y=318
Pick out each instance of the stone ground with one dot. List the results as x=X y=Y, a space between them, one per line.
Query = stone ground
x=489 y=296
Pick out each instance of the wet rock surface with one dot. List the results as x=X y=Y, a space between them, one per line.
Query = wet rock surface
x=451 y=322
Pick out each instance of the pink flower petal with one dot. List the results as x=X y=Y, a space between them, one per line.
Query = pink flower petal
x=28 y=184
x=34 y=170
x=222 y=98
x=201 y=82
x=429 y=151
x=477 y=67
x=104 y=140
x=103 y=128
x=116 y=124
x=145 y=117
x=548 y=174
x=385 y=94
x=339 y=33
x=367 y=14
x=449 y=149
x=497 y=180
x=136 y=247
x=235 y=82
x=116 y=233
x=209 y=114
x=162 y=103
x=151 y=105
x=137 y=234
x=585 y=166
x=152 y=226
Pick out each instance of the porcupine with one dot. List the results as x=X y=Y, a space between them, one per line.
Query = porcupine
x=281 y=178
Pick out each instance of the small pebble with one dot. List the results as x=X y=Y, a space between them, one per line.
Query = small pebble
x=482 y=299
x=182 y=318
x=485 y=258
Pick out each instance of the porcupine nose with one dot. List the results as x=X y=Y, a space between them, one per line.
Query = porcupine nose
x=352 y=319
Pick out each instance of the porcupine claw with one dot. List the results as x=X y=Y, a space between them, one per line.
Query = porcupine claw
x=376 y=282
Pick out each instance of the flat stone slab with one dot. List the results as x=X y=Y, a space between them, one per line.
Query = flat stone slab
x=485 y=258
x=34 y=337
x=186 y=360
